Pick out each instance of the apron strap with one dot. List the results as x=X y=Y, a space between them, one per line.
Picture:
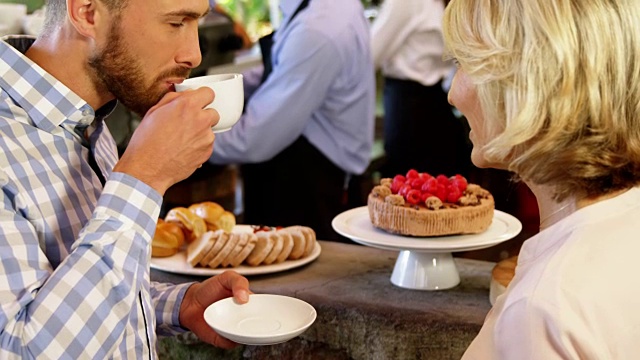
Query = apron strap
x=266 y=43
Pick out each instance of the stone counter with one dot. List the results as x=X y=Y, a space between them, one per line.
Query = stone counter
x=361 y=314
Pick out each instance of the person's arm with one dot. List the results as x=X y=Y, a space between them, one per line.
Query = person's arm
x=389 y=30
x=277 y=113
x=90 y=295
x=251 y=80
x=83 y=306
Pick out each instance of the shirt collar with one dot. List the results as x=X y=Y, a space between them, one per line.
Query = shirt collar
x=47 y=101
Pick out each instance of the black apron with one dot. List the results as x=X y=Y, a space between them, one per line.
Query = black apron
x=266 y=43
x=299 y=186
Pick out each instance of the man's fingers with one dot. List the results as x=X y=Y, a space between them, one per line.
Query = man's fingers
x=201 y=97
x=239 y=285
x=167 y=98
x=207 y=334
x=214 y=115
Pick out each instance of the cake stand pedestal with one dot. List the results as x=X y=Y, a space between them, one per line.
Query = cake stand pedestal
x=424 y=263
x=424 y=270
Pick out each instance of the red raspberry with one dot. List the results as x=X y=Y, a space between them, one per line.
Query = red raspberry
x=413 y=197
x=417 y=183
x=425 y=195
x=404 y=190
x=460 y=183
x=454 y=194
x=425 y=176
x=441 y=193
x=399 y=178
x=443 y=180
x=411 y=174
x=430 y=186
x=396 y=186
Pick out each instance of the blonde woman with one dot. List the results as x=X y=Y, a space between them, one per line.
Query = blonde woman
x=552 y=92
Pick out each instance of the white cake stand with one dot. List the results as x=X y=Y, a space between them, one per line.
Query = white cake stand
x=424 y=263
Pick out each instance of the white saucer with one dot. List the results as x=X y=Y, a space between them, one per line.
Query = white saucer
x=424 y=263
x=264 y=320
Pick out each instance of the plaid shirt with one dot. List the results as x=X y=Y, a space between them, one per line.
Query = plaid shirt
x=74 y=256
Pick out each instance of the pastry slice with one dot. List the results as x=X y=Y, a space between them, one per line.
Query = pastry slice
x=264 y=245
x=231 y=243
x=246 y=250
x=299 y=242
x=243 y=239
x=287 y=245
x=220 y=241
x=278 y=244
x=200 y=247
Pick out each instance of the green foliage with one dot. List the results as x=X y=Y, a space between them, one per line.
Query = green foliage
x=253 y=14
x=31 y=4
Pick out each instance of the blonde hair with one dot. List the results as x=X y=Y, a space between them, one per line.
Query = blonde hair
x=559 y=86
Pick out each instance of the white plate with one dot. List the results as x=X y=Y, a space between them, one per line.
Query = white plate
x=356 y=224
x=264 y=320
x=178 y=263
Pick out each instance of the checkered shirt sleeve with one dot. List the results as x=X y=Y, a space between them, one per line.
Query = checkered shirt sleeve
x=74 y=256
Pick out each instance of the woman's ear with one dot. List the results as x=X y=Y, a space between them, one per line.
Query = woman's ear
x=83 y=15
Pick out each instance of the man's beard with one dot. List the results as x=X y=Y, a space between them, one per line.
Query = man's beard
x=117 y=71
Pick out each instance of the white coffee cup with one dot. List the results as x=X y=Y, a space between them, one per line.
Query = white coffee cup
x=229 y=99
x=12 y=16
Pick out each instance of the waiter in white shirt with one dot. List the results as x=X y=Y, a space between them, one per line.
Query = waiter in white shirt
x=420 y=130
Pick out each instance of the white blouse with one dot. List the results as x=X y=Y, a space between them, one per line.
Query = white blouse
x=576 y=293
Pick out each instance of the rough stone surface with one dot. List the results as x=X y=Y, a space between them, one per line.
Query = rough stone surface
x=361 y=314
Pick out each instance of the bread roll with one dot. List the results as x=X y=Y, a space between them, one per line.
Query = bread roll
x=164 y=243
x=226 y=221
x=194 y=225
x=209 y=211
x=175 y=229
x=214 y=216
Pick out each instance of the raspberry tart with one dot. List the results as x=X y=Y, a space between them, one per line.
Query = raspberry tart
x=418 y=204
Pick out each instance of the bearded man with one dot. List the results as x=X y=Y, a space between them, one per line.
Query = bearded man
x=76 y=222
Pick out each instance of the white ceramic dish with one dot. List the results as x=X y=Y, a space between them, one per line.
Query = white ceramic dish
x=355 y=224
x=178 y=263
x=424 y=263
x=265 y=320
